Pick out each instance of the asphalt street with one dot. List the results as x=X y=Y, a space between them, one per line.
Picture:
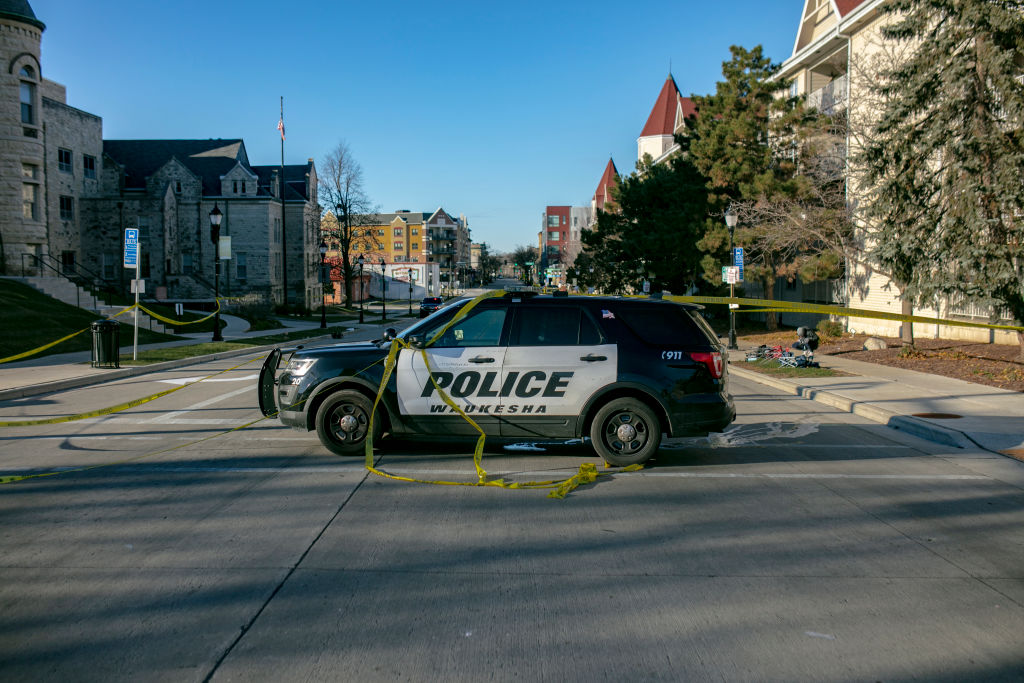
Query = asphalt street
x=802 y=544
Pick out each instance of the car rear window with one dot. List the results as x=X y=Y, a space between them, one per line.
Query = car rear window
x=553 y=326
x=432 y=300
x=662 y=325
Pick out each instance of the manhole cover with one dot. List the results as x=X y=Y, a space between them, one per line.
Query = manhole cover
x=938 y=416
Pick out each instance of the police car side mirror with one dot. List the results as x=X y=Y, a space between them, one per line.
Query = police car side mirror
x=414 y=340
x=390 y=334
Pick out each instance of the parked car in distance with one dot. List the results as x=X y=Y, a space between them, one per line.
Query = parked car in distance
x=429 y=305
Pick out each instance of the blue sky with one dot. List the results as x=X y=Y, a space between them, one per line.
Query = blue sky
x=492 y=110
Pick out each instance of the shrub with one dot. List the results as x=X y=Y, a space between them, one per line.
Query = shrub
x=830 y=328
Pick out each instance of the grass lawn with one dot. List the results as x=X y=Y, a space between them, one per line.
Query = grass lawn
x=32 y=319
x=149 y=356
x=772 y=367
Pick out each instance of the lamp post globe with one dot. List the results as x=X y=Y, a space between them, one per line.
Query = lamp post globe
x=360 y=261
x=730 y=220
x=384 y=292
x=323 y=285
x=215 y=218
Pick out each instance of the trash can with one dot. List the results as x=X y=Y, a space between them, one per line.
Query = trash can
x=106 y=344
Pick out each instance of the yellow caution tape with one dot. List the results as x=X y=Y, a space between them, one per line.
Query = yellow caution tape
x=587 y=473
x=41 y=348
x=842 y=311
x=180 y=323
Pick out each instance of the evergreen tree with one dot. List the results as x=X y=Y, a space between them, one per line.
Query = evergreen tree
x=653 y=231
x=945 y=163
x=732 y=143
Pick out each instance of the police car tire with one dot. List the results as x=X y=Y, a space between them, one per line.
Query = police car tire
x=337 y=406
x=606 y=438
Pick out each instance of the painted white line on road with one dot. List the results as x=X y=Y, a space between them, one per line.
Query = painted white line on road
x=186 y=380
x=174 y=415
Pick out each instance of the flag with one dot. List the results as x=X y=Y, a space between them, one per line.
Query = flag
x=280 y=127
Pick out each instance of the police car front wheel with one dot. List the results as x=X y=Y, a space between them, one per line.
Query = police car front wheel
x=625 y=432
x=343 y=421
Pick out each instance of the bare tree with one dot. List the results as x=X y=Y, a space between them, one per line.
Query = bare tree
x=347 y=209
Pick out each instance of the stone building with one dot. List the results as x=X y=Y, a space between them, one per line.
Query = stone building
x=67 y=195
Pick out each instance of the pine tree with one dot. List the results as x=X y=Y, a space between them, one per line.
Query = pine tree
x=653 y=231
x=946 y=160
x=731 y=142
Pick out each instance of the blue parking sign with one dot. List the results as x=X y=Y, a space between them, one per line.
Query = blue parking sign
x=131 y=248
x=737 y=260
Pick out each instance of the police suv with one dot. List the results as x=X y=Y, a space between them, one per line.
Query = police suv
x=619 y=371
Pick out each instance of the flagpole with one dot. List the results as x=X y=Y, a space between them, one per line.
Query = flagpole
x=284 y=231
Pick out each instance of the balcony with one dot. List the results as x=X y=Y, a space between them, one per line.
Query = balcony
x=831 y=98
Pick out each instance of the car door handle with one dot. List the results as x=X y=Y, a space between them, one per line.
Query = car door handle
x=590 y=358
x=481 y=359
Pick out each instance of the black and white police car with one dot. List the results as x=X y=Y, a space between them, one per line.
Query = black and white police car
x=619 y=371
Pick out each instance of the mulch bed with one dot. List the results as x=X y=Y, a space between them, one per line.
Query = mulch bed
x=996 y=365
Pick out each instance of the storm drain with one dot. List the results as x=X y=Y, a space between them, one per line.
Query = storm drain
x=938 y=416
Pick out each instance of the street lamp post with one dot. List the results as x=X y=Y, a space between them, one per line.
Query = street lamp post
x=731 y=219
x=360 y=261
x=323 y=285
x=215 y=219
x=384 y=292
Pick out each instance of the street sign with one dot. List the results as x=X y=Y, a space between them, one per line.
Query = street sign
x=737 y=260
x=138 y=286
x=224 y=248
x=732 y=274
x=131 y=248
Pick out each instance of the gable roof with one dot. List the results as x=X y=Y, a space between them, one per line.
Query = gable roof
x=662 y=120
x=294 y=179
x=609 y=179
x=208 y=159
x=844 y=7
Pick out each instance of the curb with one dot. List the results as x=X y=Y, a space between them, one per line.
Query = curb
x=906 y=423
x=86 y=380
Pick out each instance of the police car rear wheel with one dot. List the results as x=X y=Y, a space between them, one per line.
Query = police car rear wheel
x=343 y=421
x=625 y=432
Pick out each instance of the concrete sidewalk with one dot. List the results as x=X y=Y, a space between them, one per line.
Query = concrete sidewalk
x=940 y=409
x=62 y=371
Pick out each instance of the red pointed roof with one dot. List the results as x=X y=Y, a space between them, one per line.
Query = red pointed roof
x=662 y=120
x=847 y=6
x=609 y=180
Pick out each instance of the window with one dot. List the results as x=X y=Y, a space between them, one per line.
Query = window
x=108 y=266
x=28 y=98
x=177 y=186
x=243 y=187
x=482 y=327
x=399 y=232
x=29 y=201
x=67 y=208
x=67 y=262
x=30 y=171
x=552 y=221
x=143 y=228
x=661 y=326
x=552 y=235
x=88 y=166
x=64 y=160
x=186 y=264
x=553 y=326
x=380 y=233
x=277 y=231
x=415 y=231
x=414 y=246
x=234 y=186
x=241 y=267
x=399 y=245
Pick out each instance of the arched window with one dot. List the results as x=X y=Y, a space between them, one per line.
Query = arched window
x=28 y=95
